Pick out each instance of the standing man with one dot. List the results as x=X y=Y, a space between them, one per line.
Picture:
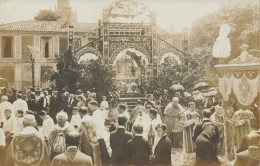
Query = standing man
x=162 y=152
x=72 y=157
x=206 y=151
x=198 y=128
x=28 y=147
x=137 y=149
x=172 y=115
x=99 y=121
x=54 y=105
x=118 y=141
x=150 y=101
x=20 y=104
x=5 y=104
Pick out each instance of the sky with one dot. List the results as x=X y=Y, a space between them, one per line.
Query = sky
x=170 y=13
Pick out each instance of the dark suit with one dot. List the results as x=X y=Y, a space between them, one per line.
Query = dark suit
x=138 y=151
x=70 y=104
x=41 y=104
x=162 y=152
x=244 y=159
x=206 y=153
x=118 y=141
x=198 y=130
x=72 y=157
x=54 y=107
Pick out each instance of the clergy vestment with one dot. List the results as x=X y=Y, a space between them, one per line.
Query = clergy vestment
x=57 y=137
x=28 y=148
x=241 y=119
x=189 y=119
x=172 y=120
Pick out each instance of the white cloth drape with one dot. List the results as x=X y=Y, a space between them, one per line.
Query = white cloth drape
x=225 y=86
x=245 y=89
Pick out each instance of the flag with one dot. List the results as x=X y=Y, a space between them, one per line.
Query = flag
x=36 y=54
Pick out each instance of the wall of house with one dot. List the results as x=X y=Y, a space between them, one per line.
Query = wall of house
x=18 y=69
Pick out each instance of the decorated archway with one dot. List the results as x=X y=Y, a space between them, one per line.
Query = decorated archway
x=170 y=58
x=130 y=65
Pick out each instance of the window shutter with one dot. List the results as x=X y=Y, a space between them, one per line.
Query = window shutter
x=56 y=46
x=18 y=47
x=37 y=42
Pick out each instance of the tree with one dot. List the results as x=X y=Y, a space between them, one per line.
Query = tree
x=242 y=17
x=97 y=77
x=68 y=73
x=47 y=15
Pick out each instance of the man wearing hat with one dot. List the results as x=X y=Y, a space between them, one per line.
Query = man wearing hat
x=28 y=147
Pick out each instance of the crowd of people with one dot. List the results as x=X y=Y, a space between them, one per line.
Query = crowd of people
x=51 y=128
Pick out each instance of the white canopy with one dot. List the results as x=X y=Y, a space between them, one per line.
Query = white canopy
x=87 y=57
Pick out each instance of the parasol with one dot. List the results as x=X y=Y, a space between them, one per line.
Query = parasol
x=177 y=87
x=201 y=86
x=211 y=93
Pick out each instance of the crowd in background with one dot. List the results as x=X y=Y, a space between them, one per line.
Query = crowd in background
x=50 y=128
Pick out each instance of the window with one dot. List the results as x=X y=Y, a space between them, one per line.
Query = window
x=46 y=46
x=46 y=50
x=7 y=47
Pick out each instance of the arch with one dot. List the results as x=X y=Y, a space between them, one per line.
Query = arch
x=126 y=53
x=172 y=55
x=87 y=57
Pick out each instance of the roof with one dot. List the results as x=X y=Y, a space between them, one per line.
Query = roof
x=48 y=26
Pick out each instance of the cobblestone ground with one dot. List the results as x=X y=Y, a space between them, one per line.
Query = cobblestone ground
x=177 y=156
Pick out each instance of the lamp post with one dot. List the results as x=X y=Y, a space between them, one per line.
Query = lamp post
x=70 y=36
x=32 y=61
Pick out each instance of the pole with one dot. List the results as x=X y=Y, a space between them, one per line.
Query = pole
x=32 y=61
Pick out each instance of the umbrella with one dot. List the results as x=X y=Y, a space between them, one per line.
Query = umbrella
x=213 y=89
x=211 y=93
x=201 y=85
x=177 y=87
x=87 y=57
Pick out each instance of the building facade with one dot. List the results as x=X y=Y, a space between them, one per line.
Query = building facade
x=50 y=37
x=127 y=38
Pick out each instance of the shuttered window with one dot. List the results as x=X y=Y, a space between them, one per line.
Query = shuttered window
x=18 y=47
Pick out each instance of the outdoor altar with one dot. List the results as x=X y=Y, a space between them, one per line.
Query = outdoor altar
x=239 y=86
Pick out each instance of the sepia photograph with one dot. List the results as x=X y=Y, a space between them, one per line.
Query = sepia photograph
x=129 y=83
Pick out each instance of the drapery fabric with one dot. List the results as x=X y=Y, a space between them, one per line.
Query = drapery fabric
x=245 y=89
x=225 y=85
x=244 y=84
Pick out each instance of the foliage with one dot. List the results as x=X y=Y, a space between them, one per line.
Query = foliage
x=188 y=73
x=68 y=73
x=242 y=17
x=47 y=15
x=97 y=77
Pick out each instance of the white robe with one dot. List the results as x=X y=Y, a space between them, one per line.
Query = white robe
x=146 y=122
x=3 y=106
x=99 y=120
x=20 y=104
x=47 y=127
x=75 y=120
x=2 y=137
x=10 y=125
x=154 y=123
